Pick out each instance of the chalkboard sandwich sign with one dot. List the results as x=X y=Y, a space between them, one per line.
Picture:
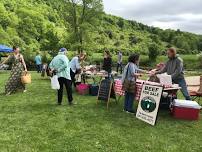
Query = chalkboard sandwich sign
x=106 y=91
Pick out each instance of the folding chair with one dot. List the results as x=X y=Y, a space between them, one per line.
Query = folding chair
x=195 y=90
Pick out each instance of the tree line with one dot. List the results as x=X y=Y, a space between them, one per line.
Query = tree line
x=82 y=25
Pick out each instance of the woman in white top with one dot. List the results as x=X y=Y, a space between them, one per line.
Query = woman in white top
x=75 y=67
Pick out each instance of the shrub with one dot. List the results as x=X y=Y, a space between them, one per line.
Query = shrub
x=122 y=37
x=153 y=52
x=200 y=60
x=109 y=33
x=120 y=23
x=132 y=39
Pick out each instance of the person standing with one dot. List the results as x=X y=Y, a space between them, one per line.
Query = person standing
x=119 y=62
x=107 y=63
x=174 y=67
x=38 y=62
x=60 y=66
x=75 y=66
x=130 y=75
x=18 y=67
x=44 y=69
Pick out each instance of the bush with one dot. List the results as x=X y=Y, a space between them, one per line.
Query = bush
x=153 y=52
x=132 y=39
x=109 y=33
x=120 y=23
x=200 y=60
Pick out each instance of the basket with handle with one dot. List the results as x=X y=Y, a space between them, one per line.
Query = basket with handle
x=26 y=78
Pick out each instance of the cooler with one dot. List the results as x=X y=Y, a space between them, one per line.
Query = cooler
x=93 y=90
x=188 y=110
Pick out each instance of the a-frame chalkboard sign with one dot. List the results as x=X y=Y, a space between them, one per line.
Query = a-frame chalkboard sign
x=106 y=91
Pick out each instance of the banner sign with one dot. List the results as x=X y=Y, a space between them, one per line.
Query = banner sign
x=149 y=103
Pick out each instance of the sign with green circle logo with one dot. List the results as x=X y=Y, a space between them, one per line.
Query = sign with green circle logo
x=148 y=104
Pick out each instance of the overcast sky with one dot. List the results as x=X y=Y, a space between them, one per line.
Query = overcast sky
x=185 y=15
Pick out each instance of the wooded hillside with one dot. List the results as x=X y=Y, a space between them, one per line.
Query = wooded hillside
x=48 y=25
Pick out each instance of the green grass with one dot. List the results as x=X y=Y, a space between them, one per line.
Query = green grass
x=31 y=122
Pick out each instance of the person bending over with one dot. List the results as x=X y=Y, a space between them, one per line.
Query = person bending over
x=75 y=67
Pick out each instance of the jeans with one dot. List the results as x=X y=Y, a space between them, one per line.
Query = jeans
x=183 y=85
x=119 y=65
x=72 y=74
x=129 y=99
x=39 y=68
x=68 y=85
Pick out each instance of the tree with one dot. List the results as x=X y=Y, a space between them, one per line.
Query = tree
x=132 y=39
x=4 y=17
x=200 y=46
x=82 y=16
x=120 y=23
x=153 y=52
x=182 y=42
x=155 y=38
x=200 y=60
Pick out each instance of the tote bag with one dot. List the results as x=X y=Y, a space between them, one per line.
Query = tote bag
x=55 y=83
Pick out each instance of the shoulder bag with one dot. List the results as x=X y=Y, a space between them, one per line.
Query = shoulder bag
x=128 y=85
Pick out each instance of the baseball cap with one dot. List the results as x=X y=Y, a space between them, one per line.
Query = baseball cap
x=63 y=50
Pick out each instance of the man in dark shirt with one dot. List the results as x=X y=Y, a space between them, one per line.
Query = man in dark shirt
x=107 y=63
x=174 y=67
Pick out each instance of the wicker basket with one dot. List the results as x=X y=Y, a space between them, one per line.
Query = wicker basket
x=26 y=78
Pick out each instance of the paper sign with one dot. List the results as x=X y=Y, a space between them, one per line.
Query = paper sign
x=149 y=103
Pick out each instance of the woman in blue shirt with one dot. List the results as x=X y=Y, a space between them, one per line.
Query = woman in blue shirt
x=131 y=73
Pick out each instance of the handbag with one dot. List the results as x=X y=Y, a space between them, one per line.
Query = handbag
x=128 y=85
x=26 y=78
x=55 y=85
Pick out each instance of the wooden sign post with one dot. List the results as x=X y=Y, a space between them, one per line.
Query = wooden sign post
x=149 y=103
x=106 y=91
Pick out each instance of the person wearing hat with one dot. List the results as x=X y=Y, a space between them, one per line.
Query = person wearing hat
x=60 y=66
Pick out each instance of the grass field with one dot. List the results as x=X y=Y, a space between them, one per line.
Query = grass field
x=31 y=122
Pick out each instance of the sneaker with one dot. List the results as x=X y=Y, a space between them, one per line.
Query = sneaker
x=8 y=94
x=24 y=91
x=131 y=112
x=71 y=103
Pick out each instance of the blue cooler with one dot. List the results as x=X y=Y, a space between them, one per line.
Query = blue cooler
x=93 y=90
